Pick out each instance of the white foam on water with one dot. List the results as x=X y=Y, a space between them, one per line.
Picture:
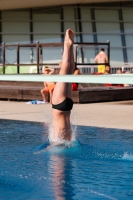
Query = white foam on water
x=127 y=156
x=59 y=141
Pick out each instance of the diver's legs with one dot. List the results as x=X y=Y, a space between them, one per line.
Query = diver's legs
x=63 y=90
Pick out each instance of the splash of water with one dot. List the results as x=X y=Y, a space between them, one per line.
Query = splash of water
x=52 y=143
x=127 y=156
x=59 y=141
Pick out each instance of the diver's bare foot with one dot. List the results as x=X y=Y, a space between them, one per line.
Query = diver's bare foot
x=69 y=38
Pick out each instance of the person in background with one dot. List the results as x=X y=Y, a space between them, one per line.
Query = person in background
x=48 y=86
x=127 y=85
x=76 y=72
x=101 y=58
x=107 y=71
x=119 y=71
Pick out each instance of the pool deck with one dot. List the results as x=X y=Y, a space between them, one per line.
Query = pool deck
x=109 y=115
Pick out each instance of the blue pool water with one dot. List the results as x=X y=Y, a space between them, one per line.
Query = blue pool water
x=99 y=164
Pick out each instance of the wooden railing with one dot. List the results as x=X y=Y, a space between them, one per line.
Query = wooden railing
x=39 y=61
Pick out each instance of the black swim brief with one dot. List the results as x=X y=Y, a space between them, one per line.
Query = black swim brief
x=66 y=105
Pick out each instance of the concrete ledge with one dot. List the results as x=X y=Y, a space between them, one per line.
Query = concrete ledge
x=25 y=91
x=102 y=94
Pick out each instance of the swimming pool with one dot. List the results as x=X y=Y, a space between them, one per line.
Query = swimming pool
x=99 y=165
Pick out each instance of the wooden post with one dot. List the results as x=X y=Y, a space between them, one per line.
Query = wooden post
x=17 y=47
x=75 y=53
x=3 y=57
x=37 y=56
x=40 y=60
x=108 y=52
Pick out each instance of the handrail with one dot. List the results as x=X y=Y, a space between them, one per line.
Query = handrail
x=39 y=47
